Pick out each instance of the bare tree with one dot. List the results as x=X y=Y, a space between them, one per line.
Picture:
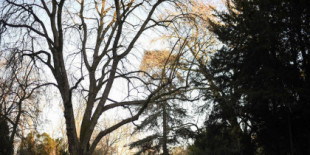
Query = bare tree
x=18 y=102
x=88 y=46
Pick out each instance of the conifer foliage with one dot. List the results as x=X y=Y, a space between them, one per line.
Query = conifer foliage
x=261 y=76
x=164 y=117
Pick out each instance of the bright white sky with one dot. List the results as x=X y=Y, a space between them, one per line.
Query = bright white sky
x=52 y=114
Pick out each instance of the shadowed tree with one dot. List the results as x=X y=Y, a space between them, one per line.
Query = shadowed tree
x=5 y=145
x=260 y=76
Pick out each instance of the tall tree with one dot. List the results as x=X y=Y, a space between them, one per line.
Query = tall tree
x=200 y=46
x=165 y=116
x=86 y=45
x=261 y=75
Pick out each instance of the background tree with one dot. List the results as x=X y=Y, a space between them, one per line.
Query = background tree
x=27 y=145
x=42 y=144
x=19 y=87
x=198 y=44
x=86 y=47
x=165 y=116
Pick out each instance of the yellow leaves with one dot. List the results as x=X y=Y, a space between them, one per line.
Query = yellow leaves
x=157 y=60
x=130 y=4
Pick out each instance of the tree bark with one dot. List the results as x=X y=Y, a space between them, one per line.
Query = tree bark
x=165 y=132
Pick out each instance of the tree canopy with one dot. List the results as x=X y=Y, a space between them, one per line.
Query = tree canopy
x=261 y=76
x=246 y=62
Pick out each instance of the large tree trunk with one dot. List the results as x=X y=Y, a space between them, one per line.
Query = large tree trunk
x=66 y=94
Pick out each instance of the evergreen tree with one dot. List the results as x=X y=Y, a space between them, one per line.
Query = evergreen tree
x=217 y=139
x=260 y=80
x=165 y=116
x=165 y=120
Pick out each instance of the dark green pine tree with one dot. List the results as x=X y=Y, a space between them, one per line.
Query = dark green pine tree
x=164 y=122
x=261 y=77
x=165 y=118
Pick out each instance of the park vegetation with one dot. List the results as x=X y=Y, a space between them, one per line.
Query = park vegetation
x=135 y=76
